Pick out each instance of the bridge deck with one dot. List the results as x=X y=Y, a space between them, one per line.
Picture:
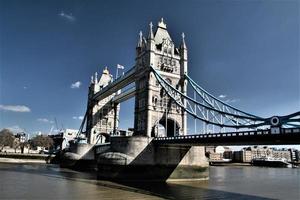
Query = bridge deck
x=264 y=137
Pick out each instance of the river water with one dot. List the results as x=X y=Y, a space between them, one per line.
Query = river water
x=41 y=181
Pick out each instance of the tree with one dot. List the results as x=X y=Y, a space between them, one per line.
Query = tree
x=7 y=138
x=42 y=141
x=16 y=144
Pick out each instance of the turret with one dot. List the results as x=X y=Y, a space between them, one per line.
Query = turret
x=150 y=36
x=139 y=44
x=183 y=56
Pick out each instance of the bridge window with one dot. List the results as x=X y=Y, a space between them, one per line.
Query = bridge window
x=155 y=100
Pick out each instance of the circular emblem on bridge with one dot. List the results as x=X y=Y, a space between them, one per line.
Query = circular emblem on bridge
x=275 y=121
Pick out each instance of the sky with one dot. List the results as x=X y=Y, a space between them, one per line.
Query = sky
x=245 y=52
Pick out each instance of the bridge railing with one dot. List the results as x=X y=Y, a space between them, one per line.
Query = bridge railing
x=231 y=134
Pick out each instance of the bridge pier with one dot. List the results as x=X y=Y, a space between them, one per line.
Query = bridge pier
x=138 y=158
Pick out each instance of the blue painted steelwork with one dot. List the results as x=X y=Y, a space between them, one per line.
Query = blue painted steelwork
x=216 y=112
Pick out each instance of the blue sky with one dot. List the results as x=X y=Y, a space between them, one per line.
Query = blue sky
x=247 y=51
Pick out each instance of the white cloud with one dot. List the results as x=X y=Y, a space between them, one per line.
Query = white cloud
x=15 y=108
x=45 y=120
x=79 y=117
x=16 y=129
x=68 y=17
x=222 y=96
x=25 y=87
x=76 y=85
x=231 y=100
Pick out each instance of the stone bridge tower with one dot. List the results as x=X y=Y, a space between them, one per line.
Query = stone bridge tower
x=102 y=115
x=155 y=113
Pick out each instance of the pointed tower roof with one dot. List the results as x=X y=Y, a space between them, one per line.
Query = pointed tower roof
x=161 y=32
x=162 y=24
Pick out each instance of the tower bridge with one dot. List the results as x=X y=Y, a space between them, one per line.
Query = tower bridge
x=159 y=81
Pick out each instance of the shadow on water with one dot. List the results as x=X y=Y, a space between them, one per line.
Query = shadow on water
x=188 y=190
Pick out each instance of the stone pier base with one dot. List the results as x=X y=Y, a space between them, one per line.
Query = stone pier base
x=137 y=158
x=79 y=156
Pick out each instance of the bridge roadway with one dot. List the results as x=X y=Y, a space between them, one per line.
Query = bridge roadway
x=260 y=137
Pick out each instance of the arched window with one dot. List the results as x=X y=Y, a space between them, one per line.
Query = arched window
x=155 y=100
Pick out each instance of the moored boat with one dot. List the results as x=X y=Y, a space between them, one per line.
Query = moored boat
x=271 y=162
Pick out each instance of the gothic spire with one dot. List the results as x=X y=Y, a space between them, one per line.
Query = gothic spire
x=183 y=45
x=150 y=36
x=96 y=78
x=140 y=42
x=92 y=79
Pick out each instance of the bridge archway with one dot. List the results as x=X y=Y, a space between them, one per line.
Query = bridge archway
x=170 y=127
x=102 y=138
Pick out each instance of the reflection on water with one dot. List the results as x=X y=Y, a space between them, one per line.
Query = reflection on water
x=35 y=181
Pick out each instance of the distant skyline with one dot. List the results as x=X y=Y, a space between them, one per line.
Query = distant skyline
x=244 y=52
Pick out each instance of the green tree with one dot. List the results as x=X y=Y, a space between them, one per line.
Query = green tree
x=42 y=141
x=7 y=138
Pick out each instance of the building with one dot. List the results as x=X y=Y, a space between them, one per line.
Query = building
x=155 y=113
x=242 y=156
x=209 y=150
x=63 y=138
x=102 y=116
x=285 y=154
x=249 y=153
x=215 y=157
x=260 y=152
x=219 y=153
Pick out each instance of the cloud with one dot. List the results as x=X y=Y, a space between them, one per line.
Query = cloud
x=231 y=100
x=25 y=87
x=15 y=108
x=16 y=129
x=227 y=100
x=76 y=85
x=45 y=120
x=79 y=117
x=68 y=17
x=222 y=96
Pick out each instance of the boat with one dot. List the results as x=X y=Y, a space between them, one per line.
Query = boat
x=271 y=162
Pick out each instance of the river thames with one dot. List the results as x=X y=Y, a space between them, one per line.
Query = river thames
x=41 y=181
